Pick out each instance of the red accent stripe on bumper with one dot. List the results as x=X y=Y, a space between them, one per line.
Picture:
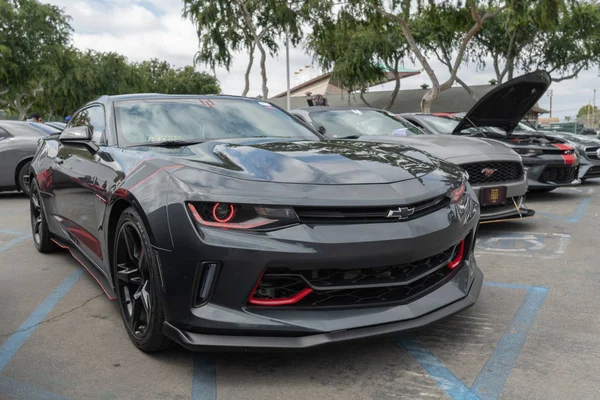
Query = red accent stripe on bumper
x=569 y=159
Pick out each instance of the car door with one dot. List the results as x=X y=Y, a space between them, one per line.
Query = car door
x=79 y=184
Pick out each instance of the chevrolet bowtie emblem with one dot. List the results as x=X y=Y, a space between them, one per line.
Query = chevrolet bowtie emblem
x=401 y=212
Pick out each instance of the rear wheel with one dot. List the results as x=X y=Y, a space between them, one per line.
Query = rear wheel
x=136 y=283
x=23 y=178
x=39 y=225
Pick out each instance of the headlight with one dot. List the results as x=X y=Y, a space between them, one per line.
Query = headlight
x=528 y=152
x=465 y=205
x=242 y=216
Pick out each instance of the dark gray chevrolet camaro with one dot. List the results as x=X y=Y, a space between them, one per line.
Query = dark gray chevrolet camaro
x=224 y=222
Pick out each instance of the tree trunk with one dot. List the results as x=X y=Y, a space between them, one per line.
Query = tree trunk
x=362 y=97
x=263 y=70
x=428 y=98
x=248 y=69
x=394 y=92
x=467 y=88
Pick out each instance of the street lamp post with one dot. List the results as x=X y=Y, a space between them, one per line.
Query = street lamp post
x=287 y=68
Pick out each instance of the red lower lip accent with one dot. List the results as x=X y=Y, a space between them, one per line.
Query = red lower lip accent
x=458 y=259
x=569 y=159
x=281 y=302
x=86 y=268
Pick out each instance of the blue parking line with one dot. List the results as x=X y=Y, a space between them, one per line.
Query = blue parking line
x=16 y=340
x=579 y=212
x=492 y=378
x=13 y=242
x=204 y=378
x=446 y=380
x=575 y=217
x=18 y=390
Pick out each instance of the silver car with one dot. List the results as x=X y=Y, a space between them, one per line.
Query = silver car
x=18 y=142
x=495 y=171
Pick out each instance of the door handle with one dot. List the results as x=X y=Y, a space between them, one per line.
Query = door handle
x=58 y=160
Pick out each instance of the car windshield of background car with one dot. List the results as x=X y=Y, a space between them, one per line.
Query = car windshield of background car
x=343 y=123
x=199 y=119
x=446 y=125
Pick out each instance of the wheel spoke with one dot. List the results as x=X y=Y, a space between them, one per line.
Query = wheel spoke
x=36 y=201
x=134 y=317
x=146 y=299
x=38 y=223
x=128 y=275
x=130 y=243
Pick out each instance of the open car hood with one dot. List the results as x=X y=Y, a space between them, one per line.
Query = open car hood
x=506 y=105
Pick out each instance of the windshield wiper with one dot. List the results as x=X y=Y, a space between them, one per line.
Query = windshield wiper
x=169 y=143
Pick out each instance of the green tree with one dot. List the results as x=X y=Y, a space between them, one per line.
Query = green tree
x=359 y=50
x=225 y=26
x=406 y=13
x=584 y=110
x=561 y=37
x=32 y=35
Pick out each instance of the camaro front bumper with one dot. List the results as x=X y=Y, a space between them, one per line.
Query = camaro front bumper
x=226 y=319
x=198 y=341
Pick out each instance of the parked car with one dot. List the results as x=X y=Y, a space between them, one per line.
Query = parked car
x=236 y=226
x=587 y=147
x=56 y=124
x=495 y=171
x=550 y=162
x=18 y=142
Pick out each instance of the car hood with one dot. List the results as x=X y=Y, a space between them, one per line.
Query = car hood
x=307 y=162
x=506 y=105
x=451 y=147
x=578 y=140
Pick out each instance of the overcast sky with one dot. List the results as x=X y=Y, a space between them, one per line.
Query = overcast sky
x=144 y=29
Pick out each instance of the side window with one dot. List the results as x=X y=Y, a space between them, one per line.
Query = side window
x=4 y=134
x=93 y=118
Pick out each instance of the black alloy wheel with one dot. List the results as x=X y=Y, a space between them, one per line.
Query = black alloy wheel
x=24 y=178
x=136 y=284
x=39 y=225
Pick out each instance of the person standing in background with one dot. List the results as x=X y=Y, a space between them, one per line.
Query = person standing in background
x=34 y=117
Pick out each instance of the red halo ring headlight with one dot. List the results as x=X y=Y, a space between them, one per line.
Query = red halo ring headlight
x=223 y=212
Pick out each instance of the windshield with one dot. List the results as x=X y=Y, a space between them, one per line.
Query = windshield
x=524 y=127
x=199 y=119
x=446 y=125
x=343 y=123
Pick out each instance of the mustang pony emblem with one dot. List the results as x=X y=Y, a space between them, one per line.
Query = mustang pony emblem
x=488 y=172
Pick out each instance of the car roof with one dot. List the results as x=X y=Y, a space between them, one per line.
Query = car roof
x=157 y=96
x=334 y=108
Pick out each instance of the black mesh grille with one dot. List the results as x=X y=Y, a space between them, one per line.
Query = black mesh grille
x=559 y=174
x=349 y=215
x=502 y=172
x=337 y=287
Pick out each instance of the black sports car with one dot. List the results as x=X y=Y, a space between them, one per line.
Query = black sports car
x=588 y=148
x=224 y=221
x=550 y=162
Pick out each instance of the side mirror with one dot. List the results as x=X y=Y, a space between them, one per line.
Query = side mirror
x=81 y=135
x=321 y=129
x=77 y=133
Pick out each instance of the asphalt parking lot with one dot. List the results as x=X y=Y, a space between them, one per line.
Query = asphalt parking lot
x=532 y=335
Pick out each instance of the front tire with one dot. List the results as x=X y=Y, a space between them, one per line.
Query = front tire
x=137 y=284
x=39 y=224
x=24 y=178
